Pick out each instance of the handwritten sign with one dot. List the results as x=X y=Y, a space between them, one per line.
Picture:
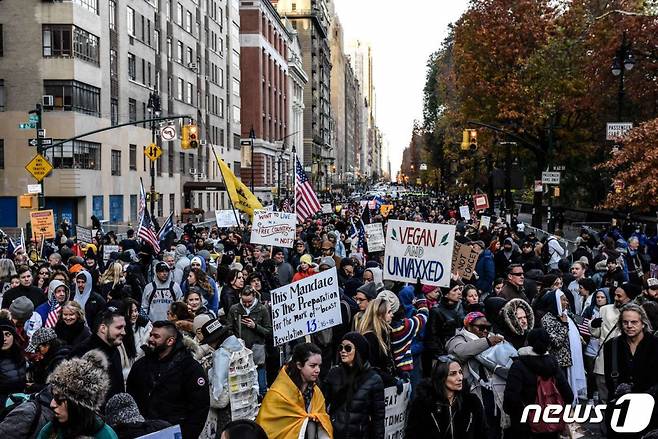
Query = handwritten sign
x=465 y=212
x=43 y=224
x=464 y=259
x=481 y=202
x=375 y=237
x=485 y=221
x=395 y=419
x=83 y=234
x=305 y=307
x=225 y=218
x=168 y=433
x=326 y=208
x=419 y=250
x=273 y=228
x=108 y=250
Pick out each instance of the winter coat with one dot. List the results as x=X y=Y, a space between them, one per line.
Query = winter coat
x=444 y=321
x=609 y=315
x=21 y=422
x=637 y=369
x=521 y=387
x=511 y=329
x=502 y=262
x=39 y=370
x=558 y=331
x=74 y=334
x=229 y=297
x=139 y=429
x=91 y=301
x=486 y=270
x=104 y=432
x=380 y=360
x=12 y=374
x=403 y=333
x=113 y=357
x=407 y=296
x=35 y=294
x=261 y=317
x=466 y=349
x=359 y=412
x=174 y=388
x=44 y=309
x=510 y=292
x=428 y=418
x=158 y=296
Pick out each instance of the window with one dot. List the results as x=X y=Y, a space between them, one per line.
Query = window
x=170 y=159
x=180 y=85
x=168 y=49
x=188 y=21
x=97 y=206
x=3 y=98
x=220 y=111
x=132 y=67
x=132 y=110
x=181 y=162
x=172 y=202
x=132 y=158
x=1 y=41
x=190 y=160
x=189 y=93
x=114 y=65
x=220 y=78
x=160 y=203
x=91 y=5
x=74 y=96
x=190 y=56
x=131 y=21
x=236 y=87
x=113 y=14
x=116 y=162
x=179 y=52
x=114 y=111
x=179 y=14
x=116 y=209
x=236 y=166
x=78 y=154
x=2 y=153
x=156 y=40
x=236 y=115
x=67 y=40
x=133 y=207
x=85 y=45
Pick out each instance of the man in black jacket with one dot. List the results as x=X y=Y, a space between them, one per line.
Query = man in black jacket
x=169 y=384
x=24 y=289
x=108 y=337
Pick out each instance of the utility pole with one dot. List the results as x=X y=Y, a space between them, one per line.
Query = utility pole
x=40 y=151
x=153 y=107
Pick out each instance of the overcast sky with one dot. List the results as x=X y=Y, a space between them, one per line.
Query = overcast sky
x=403 y=35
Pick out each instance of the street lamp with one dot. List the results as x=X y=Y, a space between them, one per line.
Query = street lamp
x=623 y=60
x=153 y=107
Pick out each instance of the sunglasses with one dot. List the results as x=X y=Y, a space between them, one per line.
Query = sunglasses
x=517 y=274
x=345 y=348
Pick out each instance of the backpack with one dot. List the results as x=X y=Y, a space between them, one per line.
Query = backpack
x=16 y=399
x=547 y=393
x=156 y=289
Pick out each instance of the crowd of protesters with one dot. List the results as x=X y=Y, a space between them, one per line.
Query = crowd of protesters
x=131 y=342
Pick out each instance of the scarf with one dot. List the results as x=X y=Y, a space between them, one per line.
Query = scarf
x=575 y=372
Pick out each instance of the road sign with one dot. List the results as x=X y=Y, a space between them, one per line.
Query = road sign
x=550 y=177
x=47 y=141
x=614 y=130
x=33 y=118
x=245 y=142
x=41 y=133
x=153 y=151
x=27 y=126
x=168 y=133
x=33 y=188
x=39 y=167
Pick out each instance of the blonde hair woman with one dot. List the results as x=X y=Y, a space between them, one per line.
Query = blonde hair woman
x=375 y=327
x=72 y=327
x=110 y=279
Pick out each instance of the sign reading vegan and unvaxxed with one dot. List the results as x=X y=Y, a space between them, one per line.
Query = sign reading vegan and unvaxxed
x=419 y=250
x=305 y=307
x=273 y=228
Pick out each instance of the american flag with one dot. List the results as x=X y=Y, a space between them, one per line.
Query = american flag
x=53 y=315
x=583 y=328
x=306 y=202
x=358 y=237
x=286 y=206
x=147 y=232
x=167 y=227
x=142 y=201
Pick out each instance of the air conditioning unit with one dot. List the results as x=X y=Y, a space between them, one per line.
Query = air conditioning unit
x=48 y=100
x=202 y=143
x=192 y=171
x=191 y=66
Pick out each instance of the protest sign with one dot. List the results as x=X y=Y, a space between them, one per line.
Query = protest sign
x=481 y=202
x=419 y=250
x=43 y=224
x=108 y=250
x=485 y=221
x=305 y=307
x=273 y=228
x=225 y=218
x=83 y=234
x=326 y=208
x=168 y=433
x=395 y=419
x=464 y=212
x=375 y=237
x=464 y=259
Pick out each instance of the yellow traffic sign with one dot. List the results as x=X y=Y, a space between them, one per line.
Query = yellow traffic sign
x=153 y=151
x=39 y=167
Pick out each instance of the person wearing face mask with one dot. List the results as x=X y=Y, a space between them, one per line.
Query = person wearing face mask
x=443 y=407
x=354 y=392
x=294 y=407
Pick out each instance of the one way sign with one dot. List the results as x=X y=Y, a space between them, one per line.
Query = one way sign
x=46 y=141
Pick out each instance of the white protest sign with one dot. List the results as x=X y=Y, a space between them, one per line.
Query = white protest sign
x=395 y=419
x=326 y=208
x=168 y=433
x=108 y=250
x=83 y=234
x=273 y=228
x=464 y=212
x=305 y=307
x=485 y=221
x=419 y=250
x=225 y=218
x=375 y=237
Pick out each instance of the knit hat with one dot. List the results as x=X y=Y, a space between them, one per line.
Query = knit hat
x=360 y=343
x=478 y=243
x=122 y=409
x=83 y=381
x=369 y=290
x=453 y=284
x=329 y=261
x=7 y=325
x=40 y=336
x=201 y=320
x=391 y=298
x=631 y=290
x=306 y=259
x=428 y=289
x=473 y=316
x=21 y=308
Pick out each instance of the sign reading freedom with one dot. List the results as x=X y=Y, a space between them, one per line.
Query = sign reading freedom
x=419 y=251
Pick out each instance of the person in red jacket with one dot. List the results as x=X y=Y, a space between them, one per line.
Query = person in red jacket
x=306 y=268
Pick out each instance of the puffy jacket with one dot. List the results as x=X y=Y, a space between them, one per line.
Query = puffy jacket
x=21 y=422
x=362 y=416
x=12 y=375
x=486 y=270
x=444 y=321
x=174 y=389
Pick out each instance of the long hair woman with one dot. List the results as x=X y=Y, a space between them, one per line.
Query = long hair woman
x=375 y=326
x=111 y=279
x=443 y=407
x=294 y=407
x=137 y=333
x=355 y=392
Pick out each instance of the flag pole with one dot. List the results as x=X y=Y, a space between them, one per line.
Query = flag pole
x=237 y=220
x=294 y=186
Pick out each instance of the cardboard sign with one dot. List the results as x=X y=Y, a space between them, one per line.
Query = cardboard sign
x=43 y=224
x=385 y=209
x=326 y=208
x=481 y=202
x=465 y=212
x=485 y=221
x=375 y=237
x=83 y=234
x=419 y=250
x=273 y=228
x=305 y=307
x=226 y=218
x=108 y=250
x=395 y=420
x=464 y=259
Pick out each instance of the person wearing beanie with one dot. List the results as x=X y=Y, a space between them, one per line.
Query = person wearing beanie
x=79 y=389
x=122 y=414
x=49 y=352
x=364 y=295
x=12 y=361
x=305 y=268
x=533 y=362
x=354 y=392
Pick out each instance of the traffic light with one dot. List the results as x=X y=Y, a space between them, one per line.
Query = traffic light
x=190 y=137
x=469 y=140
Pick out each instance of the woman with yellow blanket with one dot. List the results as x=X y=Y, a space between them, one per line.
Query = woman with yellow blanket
x=294 y=406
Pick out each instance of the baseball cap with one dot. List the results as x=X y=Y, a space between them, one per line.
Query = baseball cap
x=652 y=283
x=161 y=266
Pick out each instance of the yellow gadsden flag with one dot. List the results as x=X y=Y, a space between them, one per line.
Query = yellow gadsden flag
x=241 y=196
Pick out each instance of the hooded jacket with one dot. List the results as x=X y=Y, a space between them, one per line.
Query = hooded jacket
x=511 y=329
x=174 y=388
x=89 y=300
x=486 y=270
x=44 y=309
x=158 y=296
x=212 y=300
x=377 y=276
